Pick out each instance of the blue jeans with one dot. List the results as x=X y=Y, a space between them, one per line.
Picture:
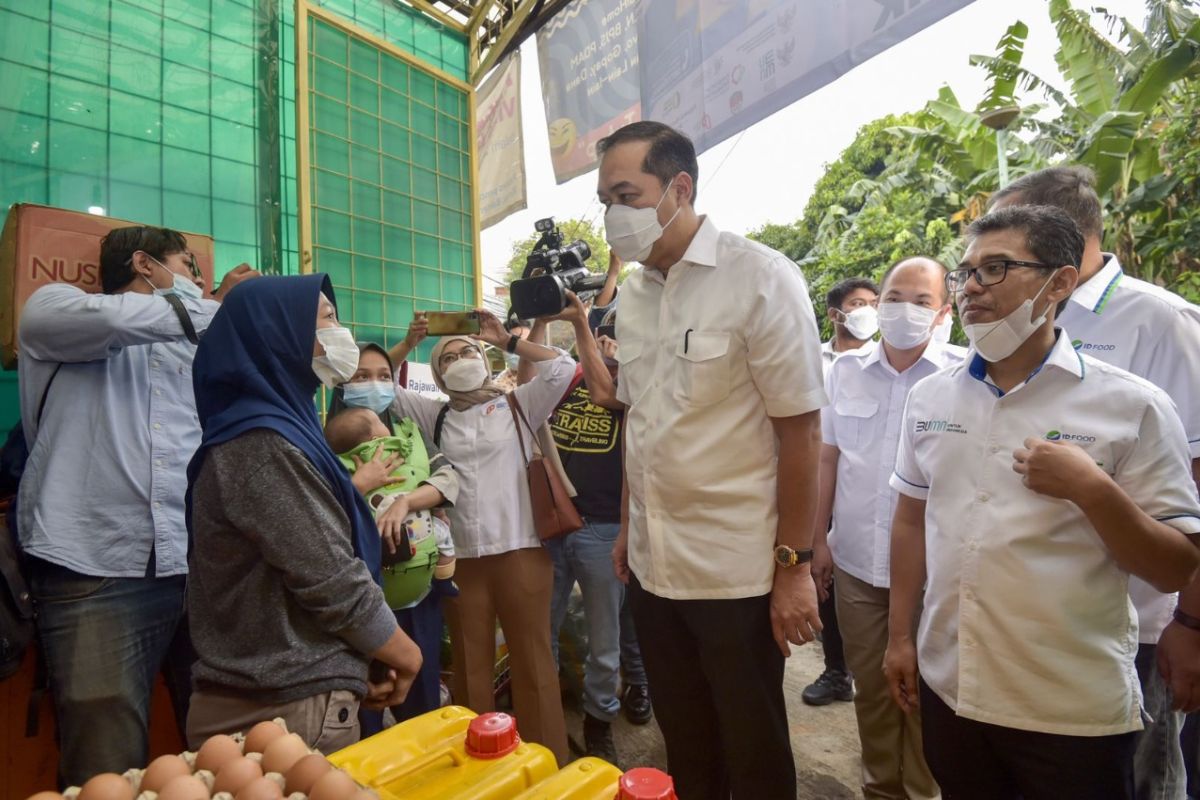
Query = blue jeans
x=104 y=640
x=586 y=556
x=1158 y=762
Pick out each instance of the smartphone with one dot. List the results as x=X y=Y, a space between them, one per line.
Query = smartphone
x=607 y=330
x=452 y=323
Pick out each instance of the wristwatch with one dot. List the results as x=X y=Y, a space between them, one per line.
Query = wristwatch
x=789 y=556
x=513 y=341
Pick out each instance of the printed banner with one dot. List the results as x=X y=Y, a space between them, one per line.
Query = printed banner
x=588 y=54
x=712 y=68
x=500 y=147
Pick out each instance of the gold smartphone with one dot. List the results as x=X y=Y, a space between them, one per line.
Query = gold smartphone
x=452 y=323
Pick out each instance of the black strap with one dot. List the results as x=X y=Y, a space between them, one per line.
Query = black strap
x=441 y=422
x=185 y=319
x=45 y=393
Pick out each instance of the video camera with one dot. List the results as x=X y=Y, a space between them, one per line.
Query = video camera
x=551 y=270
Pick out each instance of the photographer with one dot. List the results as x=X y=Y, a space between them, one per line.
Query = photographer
x=586 y=428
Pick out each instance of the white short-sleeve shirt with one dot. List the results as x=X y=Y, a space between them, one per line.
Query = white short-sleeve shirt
x=1027 y=620
x=708 y=355
x=1154 y=334
x=862 y=420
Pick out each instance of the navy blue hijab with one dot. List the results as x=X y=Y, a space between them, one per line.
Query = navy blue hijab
x=253 y=369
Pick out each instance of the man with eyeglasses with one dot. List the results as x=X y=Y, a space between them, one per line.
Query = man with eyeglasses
x=1155 y=334
x=110 y=418
x=1033 y=482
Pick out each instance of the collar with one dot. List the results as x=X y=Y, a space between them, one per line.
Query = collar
x=935 y=353
x=1094 y=294
x=1062 y=356
x=701 y=251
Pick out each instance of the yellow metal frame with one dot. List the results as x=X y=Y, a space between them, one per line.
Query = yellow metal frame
x=479 y=66
x=304 y=124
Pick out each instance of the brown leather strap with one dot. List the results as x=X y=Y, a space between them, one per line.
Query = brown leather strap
x=519 y=414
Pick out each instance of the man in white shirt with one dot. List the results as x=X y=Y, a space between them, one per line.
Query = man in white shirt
x=721 y=373
x=1154 y=334
x=859 y=430
x=1034 y=481
x=850 y=305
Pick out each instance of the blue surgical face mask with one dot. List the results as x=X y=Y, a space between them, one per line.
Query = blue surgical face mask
x=375 y=395
x=184 y=287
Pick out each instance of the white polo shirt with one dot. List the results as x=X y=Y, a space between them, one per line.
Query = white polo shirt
x=1027 y=621
x=862 y=420
x=708 y=355
x=1154 y=334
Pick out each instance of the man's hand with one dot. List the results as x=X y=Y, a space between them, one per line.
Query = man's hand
x=1057 y=469
x=608 y=348
x=1178 y=656
x=387 y=693
x=391 y=524
x=794 y=616
x=620 y=556
x=242 y=272
x=574 y=312
x=822 y=569
x=900 y=669
x=376 y=473
x=418 y=329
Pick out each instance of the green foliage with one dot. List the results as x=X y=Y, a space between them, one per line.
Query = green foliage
x=909 y=185
x=572 y=229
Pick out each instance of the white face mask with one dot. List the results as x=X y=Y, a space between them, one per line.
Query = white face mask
x=998 y=340
x=340 y=361
x=941 y=334
x=906 y=325
x=465 y=375
x=631 y=232
x=862 y=322
x=184 y=287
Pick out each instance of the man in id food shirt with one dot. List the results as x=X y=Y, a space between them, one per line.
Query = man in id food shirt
x=720 y=368
x=1034 y=481
x=1154 y=334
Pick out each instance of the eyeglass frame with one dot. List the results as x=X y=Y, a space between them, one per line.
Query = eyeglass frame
x=973 y=272
x=443 y=363
x=192 y=266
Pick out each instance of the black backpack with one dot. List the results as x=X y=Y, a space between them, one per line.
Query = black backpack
x=16 y=603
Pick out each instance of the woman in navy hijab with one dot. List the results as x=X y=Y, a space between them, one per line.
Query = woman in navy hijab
x=285 y=606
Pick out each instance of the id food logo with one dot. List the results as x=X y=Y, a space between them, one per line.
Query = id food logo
x=1080 y=344
x=1059 y=436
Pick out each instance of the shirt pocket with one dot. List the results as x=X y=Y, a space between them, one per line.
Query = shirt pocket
x=704 y=368
x=853 y=420
x=497 y=422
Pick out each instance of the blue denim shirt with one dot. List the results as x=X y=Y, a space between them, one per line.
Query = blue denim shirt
x=104 y=484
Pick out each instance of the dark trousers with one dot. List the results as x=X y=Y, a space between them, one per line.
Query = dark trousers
x=976 y=761
x=831 y=634
x=716 y=680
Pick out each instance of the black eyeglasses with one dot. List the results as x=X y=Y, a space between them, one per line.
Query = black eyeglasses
x=988 y=273
x=192 y=266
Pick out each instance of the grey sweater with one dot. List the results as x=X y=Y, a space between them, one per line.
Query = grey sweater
x=279 y=605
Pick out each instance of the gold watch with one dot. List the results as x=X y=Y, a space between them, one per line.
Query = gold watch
x=789 y=556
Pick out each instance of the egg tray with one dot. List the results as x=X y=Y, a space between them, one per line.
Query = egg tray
x=208 y=778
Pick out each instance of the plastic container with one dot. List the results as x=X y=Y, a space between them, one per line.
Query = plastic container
x=585 y=779
x=645 y=783
x=448 y=754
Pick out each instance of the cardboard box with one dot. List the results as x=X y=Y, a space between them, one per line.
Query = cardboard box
x=41 y=245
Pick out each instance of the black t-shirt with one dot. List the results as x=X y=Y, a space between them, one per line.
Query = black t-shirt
x=589 y=443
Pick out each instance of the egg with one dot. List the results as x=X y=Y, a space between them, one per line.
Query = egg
x=107 y=786
x=236 y=774
x=305 y=772
x=260 y=789
x=185 y=787
x=162 y=770
x=262 y=735
x=282 y=753
x=45 y=796
x=334 y=785
x=216 y=752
